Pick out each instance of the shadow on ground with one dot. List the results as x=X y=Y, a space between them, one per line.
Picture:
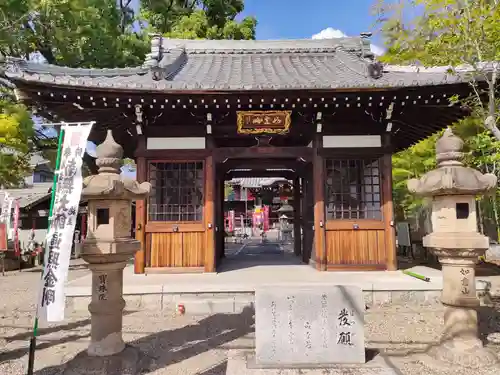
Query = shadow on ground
x=159 y=350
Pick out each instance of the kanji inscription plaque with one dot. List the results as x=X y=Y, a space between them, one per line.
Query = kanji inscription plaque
x=263 y=122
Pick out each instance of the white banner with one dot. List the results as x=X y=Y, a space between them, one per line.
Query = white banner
x=17 y=246
x=62 y=224
x=5 y=216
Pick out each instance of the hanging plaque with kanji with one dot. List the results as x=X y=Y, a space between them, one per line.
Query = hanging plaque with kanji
x=263 y=122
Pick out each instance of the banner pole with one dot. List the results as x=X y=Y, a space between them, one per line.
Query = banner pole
x=31 y=357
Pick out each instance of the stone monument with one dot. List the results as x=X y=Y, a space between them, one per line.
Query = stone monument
x=306 y=327
x=307 y=330
x=109 y=246
x=458 y=245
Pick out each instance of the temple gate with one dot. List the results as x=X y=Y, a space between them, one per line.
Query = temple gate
x=323 y=114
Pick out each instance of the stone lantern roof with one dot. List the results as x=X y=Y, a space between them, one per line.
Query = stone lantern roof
x=451 y=177
x=109 y=183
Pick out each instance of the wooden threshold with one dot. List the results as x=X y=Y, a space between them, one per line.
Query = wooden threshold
x=356 y=267
x=161 y=270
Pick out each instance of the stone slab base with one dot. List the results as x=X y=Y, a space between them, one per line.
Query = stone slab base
x=235 y=302
x=241 y=362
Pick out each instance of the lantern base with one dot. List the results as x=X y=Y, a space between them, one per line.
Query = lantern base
x=468 y=353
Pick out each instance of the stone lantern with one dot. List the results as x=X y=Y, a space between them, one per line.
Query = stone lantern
x=109 y=246
x=457 y=243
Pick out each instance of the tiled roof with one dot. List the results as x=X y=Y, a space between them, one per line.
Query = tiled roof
x=30 y=195
x=255 y=182
x=183 y=65
x=38 y=159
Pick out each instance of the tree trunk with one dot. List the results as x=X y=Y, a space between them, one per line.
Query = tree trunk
x=480 y=216
x=490 y=124
x=495 y=214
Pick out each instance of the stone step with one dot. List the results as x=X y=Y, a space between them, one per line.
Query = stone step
x=234 y=303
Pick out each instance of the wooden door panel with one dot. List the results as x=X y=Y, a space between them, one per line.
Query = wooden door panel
x=193 y=249
x=356 y=247
x=166 y=249
x=177 y=249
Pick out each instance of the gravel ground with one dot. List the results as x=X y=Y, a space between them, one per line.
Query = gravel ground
x=163 y=344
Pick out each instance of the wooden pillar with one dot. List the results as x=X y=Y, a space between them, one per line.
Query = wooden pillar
x=140 y=260
x=222 y=230
x=297 y=217
x=388 y=207
x=306 y=255
x=210 y=214
x=319 y=204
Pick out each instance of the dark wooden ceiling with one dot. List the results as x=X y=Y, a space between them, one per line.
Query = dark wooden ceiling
x=416 y=112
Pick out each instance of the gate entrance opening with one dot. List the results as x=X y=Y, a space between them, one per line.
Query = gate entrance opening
x=261 y=214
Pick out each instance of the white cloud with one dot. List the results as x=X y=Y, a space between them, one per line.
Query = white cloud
x=377 y=50
x=331 y=33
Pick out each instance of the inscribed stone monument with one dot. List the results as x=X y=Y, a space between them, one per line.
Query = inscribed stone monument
x=298 y=327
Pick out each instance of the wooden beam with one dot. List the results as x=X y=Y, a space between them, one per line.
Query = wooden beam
x=256 y=165
x=224 y=153
x=173 y=154
x=359 y=152
x=289 y=175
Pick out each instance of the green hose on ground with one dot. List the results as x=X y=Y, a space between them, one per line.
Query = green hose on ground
x=417 y=276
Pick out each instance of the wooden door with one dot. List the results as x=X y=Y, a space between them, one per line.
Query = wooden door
x=355 y=229
x=176 y=229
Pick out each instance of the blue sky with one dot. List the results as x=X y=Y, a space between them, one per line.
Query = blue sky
x=290 y=19
x=299 y=19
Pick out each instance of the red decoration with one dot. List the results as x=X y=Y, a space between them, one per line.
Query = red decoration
x=181 y=309
x=3 y=237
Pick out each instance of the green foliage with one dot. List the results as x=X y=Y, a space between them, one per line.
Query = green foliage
x=196 y=19
x=411 y=163
x=440 y=32
x=76 y=33
x=448 y=33
x=16 y=131
x=197 y=25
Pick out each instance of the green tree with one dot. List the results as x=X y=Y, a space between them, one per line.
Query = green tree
x=197 y=25
x=464 y=34
x=453 y=33
x=16 y=131
x=197 y=19
x=411 y=163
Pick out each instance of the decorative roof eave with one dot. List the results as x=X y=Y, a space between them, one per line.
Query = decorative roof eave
x=163 y=88
x=156 y=79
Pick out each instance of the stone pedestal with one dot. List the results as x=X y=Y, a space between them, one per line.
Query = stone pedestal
x=106 y=309
x=460 y=344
